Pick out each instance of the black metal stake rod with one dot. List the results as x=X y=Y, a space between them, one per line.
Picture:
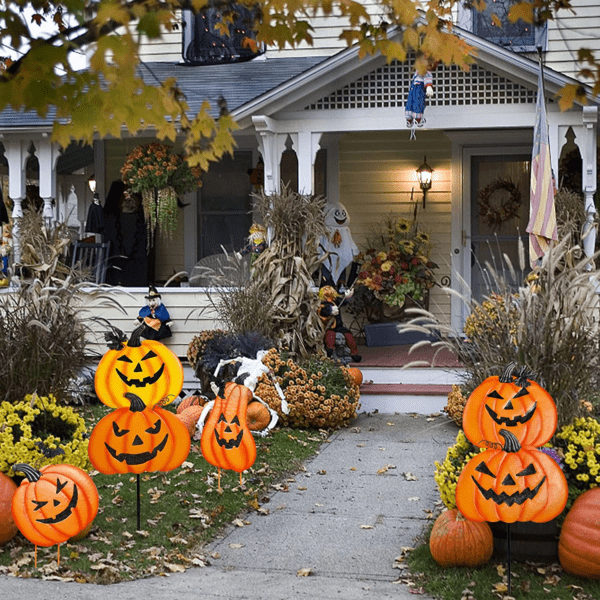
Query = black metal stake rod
x=139 y=526
x=508 y=554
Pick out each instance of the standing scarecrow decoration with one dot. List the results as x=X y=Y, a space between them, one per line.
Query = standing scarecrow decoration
x=329 y=313
x=154 y=318
x=257 y=243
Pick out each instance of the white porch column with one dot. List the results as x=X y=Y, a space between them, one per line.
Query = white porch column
x=271 y=146
x=47 y=153
x=307 y=145
x=16 y=153
x=589 y=174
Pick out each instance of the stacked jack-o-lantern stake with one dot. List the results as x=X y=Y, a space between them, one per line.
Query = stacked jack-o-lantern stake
x=512 y=480
x=137 y=377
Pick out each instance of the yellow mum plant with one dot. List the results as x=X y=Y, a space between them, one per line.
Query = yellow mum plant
x=39 y=431
x=447 y=473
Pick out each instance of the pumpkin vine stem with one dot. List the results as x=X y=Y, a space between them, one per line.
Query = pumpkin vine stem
x=521 y=376
x=511 y=442
x=29 y=472
x=136 y=404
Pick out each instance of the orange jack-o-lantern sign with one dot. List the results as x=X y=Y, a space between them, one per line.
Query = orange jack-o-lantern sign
x=53 y=504
x=512 y=402
x=226 y=440
x=138 y=439
x=145 y=368
x=513 y=484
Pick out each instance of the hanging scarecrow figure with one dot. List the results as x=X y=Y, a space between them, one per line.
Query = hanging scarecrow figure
x=154 y=318
x=329 y=313
x=420 y=87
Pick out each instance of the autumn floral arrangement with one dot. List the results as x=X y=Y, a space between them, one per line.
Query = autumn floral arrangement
x=39 y=431
x=160 y=177
x=397 y=264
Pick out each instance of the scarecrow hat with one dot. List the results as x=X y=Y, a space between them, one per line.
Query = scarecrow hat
x=152 y=293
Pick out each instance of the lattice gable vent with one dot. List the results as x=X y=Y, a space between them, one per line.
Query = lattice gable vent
x=388 y=87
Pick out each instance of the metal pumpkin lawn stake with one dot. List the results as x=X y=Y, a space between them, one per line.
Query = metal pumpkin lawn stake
x=512 y=480
x=146 y=368
x=53 y=504
x=138 y=439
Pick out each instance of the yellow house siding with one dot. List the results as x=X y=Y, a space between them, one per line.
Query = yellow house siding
x=190 y=310
x=571 y=31
x=377 y=175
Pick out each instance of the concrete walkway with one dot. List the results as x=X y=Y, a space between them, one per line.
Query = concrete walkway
x=344 y=520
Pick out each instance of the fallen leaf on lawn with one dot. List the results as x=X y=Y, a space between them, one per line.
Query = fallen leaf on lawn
x=117 y=500
x=143 y=533
x=187 y=465
x=305 y=572
x=419 y=590
x=127 y=535
x=500 y=587
x=551 y=580
x=236 y=546
x=501 y=570
x=367 y=527
x=238 y=523
x=198 y=562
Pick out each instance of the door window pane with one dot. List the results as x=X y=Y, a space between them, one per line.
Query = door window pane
x=497 y=183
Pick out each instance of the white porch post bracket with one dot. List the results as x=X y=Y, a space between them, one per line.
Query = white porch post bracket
x=307 y=145
x=16 y=153
x=267 y=145
x=48 y=153
x=589 y=170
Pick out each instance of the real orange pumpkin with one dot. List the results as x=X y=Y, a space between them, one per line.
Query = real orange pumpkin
x=226 y=440
x=190 y=401
x=8 y=528
x=138 y=439
x=457 y=542
x=53 y=504
x=513 y=484
x=512 y=402
x=579 y=542
x=146 y=368
x=356 y=375
x=189 y=417
x=257 y=416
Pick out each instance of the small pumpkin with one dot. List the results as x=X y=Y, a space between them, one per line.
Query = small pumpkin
x=190 y=401
x=189 y=417
x=257 y=416
x=8 y=527
x=356 y=375
x=457 y=542
x=138 y=439
x=226 y=440
x=53 y=504
x=146 y=368
x=513 y=484
x=511 y=402
x=579 y=542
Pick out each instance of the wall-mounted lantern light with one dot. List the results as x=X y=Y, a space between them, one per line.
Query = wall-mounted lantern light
x=424 y=175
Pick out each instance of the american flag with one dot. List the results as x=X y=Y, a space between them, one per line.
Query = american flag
x=542 y=215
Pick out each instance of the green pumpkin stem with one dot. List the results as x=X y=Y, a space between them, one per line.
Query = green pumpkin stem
x=135 y=339
x=511 y=443
x=29 y=472
x=136 y=403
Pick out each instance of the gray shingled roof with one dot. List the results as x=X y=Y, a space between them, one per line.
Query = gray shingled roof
x=238 y=83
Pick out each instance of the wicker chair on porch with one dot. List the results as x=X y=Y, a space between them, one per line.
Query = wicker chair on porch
x=91 y=259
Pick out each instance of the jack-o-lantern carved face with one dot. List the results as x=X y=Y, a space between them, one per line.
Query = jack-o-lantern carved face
x=146 y=368
x=513 y=484
x=513 y=402
x=54 y=504
x=138 y=439
x=226 y=440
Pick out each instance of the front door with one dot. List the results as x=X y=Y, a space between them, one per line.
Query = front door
x=499 y=215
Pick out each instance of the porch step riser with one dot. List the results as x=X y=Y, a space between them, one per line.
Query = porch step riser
x=395 y=403
x=417 y=376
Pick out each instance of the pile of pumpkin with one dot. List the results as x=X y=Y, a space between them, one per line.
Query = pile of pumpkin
x=512 y=480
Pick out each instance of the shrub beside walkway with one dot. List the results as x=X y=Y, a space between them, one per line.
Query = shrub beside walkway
x=341 y=522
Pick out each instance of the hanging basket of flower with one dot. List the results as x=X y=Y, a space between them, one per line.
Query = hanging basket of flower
x=160 y=177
